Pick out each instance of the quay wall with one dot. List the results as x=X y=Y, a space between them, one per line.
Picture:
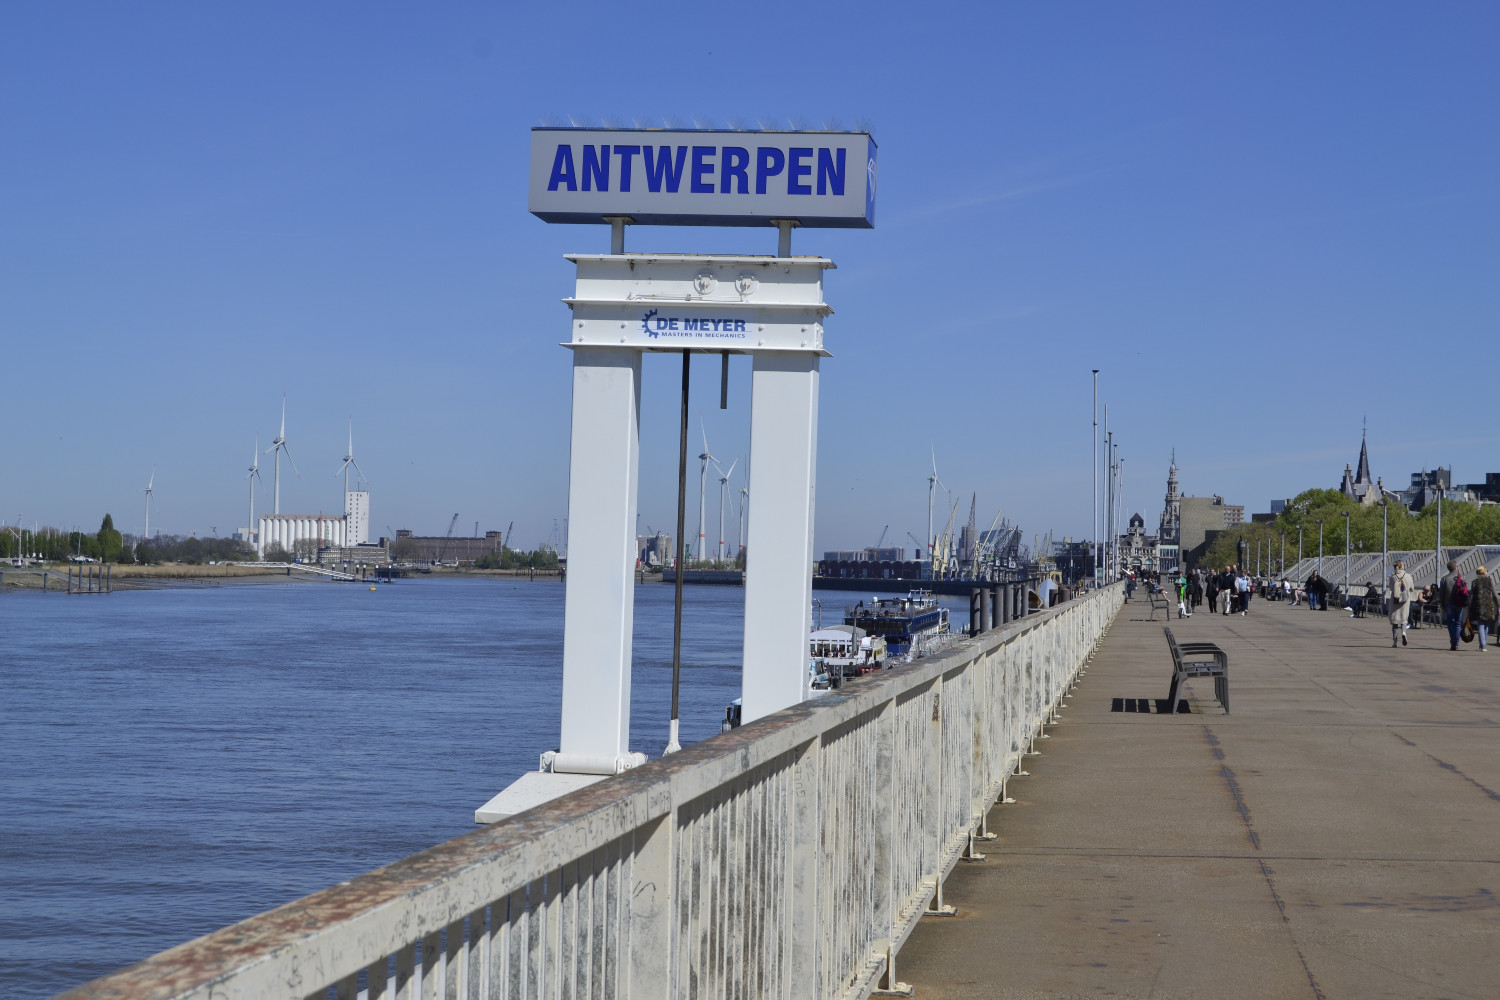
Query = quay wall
x=788 y=858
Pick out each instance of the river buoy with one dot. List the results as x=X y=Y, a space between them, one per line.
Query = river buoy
x=372 y=588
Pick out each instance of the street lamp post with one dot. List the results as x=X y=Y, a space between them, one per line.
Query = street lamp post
x=1095 y=461
x=1320 y=547
x=1299 y=545
x=1346 y=557
x=1437 y=565
x=1283 y=555
x=1385 y=543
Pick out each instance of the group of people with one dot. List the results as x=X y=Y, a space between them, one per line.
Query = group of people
x=1228 y=591
x=1464 y=606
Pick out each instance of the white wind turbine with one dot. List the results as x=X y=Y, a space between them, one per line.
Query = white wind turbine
x=933 y=482
x=253 y=476
x=348 y=461
x=744 y=499
x=149 y=484
x=723 y=491
x=278 y=446
x=705 y=458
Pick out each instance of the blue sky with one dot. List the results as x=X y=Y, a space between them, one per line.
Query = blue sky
x=1262 y=222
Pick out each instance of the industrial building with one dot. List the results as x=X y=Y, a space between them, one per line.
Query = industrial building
x=450 y=550
x=286 y=530
x=327 y=530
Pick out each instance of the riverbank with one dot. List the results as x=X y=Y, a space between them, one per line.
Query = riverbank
x=55 y=578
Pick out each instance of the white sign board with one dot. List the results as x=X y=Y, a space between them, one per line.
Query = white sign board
x=713 y=303
x=703 y=178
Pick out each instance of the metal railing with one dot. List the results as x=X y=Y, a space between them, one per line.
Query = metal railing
x=788 y=858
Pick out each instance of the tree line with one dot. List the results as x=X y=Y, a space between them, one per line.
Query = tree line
x=1463 y=524
x=111 y=546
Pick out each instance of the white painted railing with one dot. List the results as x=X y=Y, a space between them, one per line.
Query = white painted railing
x=789 y=858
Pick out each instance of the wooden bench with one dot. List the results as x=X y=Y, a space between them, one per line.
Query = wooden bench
x=1159 y=600
x=1197 y=659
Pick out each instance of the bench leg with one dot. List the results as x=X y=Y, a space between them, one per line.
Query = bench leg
x=1172 y=691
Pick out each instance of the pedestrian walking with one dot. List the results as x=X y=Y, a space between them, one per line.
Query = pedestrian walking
x=1213 y=591
x=1317 y=592
x=1226 y=590
x=1242 y=588
x=1453 y=593
x=1484 y=608
x=1402 y=590
x=1195 y=590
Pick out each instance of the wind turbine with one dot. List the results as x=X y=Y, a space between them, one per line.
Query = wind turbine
x=744 y=499
x=348 y=461
x=723 y=490
x=933 y=482
x=252 y=477
x=705 y=458
x=149 y=483
x=278 y=446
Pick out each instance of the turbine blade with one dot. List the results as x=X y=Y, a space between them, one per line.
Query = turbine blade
x=290 y=459
x=731 y=468
x=283 y=415
x=360 y=471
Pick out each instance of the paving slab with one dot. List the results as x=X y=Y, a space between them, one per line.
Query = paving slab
x=1338 y=835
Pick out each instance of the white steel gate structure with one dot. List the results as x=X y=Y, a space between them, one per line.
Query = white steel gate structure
x=790 y=858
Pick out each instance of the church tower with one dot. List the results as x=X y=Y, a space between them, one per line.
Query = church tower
x=1169 y=535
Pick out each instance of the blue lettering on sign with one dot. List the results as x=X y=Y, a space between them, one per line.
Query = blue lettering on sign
x=736 y=159
x=829 y=174
x=625 y=153
x=798 y=168
x=703 y=166
x=596 y=167
x=562 y=170
x=656 y=327
x=768 y=163
x=662 y=167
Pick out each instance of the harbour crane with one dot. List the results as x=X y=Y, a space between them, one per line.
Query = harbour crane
x=984 y=548
x=505 y=544
x=443 y=549
x=881 y=540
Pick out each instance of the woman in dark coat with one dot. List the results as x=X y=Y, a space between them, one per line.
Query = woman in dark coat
x=1213 y=592
x=1483 y=605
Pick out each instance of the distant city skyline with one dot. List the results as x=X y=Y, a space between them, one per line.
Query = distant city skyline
x=1250 y=225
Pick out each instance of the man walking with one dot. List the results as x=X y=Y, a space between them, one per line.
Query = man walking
x=1401 y=589
x=1242 y=587
x=1453 y=594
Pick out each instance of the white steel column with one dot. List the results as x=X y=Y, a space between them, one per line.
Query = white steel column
x=778 y=552
x=597 y=631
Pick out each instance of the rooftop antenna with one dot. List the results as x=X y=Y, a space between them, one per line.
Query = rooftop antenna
x=723 y=490
x=252 y=477
x=149 y=484
x=705 y=458
x=278 y=446
x=349 y=461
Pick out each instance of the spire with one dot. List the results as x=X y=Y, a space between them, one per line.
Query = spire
x=1363 y=475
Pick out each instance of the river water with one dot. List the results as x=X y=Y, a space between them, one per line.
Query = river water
x=172 y=761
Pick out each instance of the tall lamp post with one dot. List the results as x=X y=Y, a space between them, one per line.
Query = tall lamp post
x=1283 y=555
x=1346 y=557
x=1437 y=565
x=1320 y=546
x=1299 y=545
x=1385 y=543
x=1095 y=461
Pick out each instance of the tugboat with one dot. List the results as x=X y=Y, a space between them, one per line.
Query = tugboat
x=911 y=626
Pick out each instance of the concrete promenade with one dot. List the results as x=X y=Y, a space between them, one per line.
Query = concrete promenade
x=1337 y=836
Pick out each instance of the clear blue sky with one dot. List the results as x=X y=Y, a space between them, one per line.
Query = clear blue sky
x=1261 y=221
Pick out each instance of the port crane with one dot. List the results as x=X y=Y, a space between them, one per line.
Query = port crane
x=443 y=549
